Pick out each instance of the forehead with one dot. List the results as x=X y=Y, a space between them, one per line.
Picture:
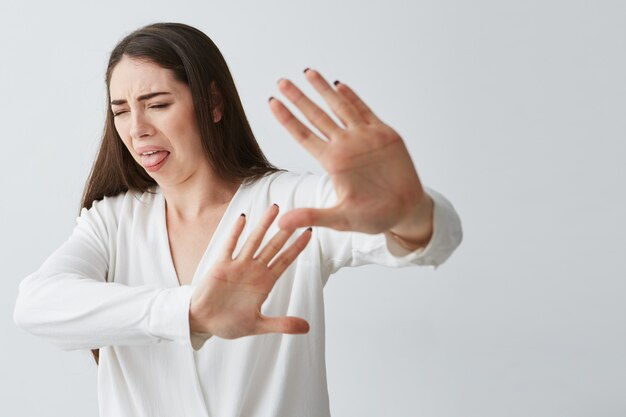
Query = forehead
x=132 y=77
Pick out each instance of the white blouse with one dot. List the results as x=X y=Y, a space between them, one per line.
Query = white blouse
x=112 y=285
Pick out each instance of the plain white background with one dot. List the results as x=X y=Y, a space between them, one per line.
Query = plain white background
x=513 y=110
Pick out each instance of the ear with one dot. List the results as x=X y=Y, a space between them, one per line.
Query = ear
x=218 y=103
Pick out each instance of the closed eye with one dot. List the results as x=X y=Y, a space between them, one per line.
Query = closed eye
x=115 y=114
x=154 y=106
x=158 y=106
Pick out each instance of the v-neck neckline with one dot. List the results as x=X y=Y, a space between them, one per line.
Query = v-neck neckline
x=209 y=248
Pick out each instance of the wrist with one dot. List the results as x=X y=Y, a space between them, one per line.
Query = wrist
x=197 y=320
x=410 y=245
x=416 y=230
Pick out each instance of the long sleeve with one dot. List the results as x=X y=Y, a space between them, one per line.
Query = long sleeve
x=69 y=302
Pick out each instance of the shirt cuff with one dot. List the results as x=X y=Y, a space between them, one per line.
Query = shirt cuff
x=169 y=315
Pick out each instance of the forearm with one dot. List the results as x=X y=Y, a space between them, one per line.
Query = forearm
x=75 y=312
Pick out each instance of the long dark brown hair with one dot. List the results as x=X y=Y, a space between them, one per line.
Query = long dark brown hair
x=229 y=145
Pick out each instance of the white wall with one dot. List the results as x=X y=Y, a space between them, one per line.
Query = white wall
x=513 y=110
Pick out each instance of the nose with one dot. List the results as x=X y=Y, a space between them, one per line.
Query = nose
x=140 y=126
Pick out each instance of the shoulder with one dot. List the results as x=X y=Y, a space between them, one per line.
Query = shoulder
x=109 y=210
x=283 y=179
x=293 y=188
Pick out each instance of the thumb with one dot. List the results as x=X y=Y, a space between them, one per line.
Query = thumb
x=289 y=325
x=331 y=217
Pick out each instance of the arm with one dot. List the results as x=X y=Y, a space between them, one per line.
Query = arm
x=348 y=248
x=69 y=302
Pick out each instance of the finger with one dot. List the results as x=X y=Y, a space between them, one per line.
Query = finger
x=233 y=238
x=279 y=264
x=340 y=105
x=274 y=245
x=256 y=237
x=366 y=113
x=311 y=111
x=287 y=324
x=309 y=140
x=326 y=217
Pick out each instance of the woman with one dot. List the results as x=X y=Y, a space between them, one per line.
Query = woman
x=162 y=277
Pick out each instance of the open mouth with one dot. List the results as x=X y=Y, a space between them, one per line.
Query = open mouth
x=154 y=159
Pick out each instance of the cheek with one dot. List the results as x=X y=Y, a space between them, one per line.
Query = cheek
x=184 y=127
x=119 y=128
x=122 y=132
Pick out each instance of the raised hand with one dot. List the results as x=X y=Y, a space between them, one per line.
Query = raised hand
x=376 y=183
x=227 y=303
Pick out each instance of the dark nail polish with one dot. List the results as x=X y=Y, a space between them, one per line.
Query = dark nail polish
x=276 y=204
x=306 y=69
x=310 y=229
x=336 y=82
x=243 y=215
x=270 y=99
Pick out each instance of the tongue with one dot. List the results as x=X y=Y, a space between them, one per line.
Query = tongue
x=153 y=159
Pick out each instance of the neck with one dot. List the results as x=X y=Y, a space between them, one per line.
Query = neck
x=197 y=196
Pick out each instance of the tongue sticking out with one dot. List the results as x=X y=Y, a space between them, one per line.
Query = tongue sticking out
x=153 y=159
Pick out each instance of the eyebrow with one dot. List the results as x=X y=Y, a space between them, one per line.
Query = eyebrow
x=140 y=98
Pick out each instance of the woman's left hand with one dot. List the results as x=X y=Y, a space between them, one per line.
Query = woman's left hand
x=376 y=183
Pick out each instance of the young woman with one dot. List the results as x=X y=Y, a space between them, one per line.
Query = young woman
x=162 y=276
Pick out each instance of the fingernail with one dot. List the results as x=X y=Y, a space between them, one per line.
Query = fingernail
x=306 y=69
x=336 y=82
x=270 y=99
x=310 y=229
x=276 y=204
x=242 y=215
x=279 y=80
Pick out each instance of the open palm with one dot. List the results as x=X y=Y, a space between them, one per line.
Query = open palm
x=371 y=170
x=227 y=303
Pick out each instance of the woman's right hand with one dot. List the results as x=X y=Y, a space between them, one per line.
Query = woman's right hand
x=227 y=303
